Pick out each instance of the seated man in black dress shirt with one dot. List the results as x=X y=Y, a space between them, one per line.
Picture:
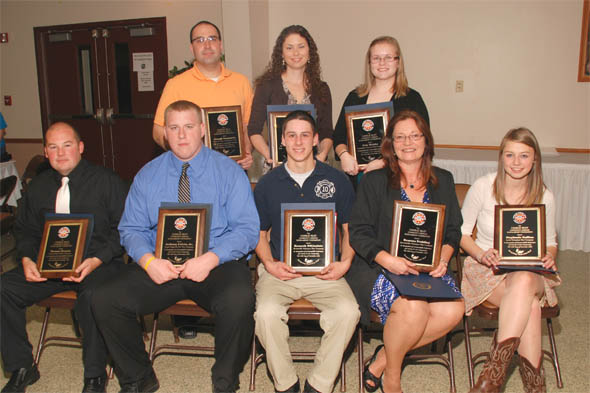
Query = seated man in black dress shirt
x=84 y=188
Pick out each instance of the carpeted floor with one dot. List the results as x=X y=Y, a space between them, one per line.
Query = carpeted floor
x=61 y=368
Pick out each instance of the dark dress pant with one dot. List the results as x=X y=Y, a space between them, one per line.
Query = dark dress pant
x=227 y=292
x=17 y=294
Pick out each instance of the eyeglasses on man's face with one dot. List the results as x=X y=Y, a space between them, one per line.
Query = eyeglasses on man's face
x=386 y=59
x=403 y=138
x=201 y=40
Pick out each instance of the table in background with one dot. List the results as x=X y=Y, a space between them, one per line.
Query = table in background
x=8 y=169
x=567 y=175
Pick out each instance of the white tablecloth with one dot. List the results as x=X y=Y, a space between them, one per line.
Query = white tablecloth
x=567 y=175
x=8 y=169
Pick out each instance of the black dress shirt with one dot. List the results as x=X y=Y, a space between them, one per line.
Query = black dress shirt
x=93 y=190
x=413 y=100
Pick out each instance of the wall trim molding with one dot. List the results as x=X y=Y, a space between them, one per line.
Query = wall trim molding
x=477 y=147
x=469 y=147
x=24 y=140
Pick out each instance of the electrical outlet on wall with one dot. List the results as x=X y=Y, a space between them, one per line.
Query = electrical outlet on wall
x=459 y=86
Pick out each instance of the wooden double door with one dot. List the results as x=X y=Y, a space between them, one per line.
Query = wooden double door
x=105 y=79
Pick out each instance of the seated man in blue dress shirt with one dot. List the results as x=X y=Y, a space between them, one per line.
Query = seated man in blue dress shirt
x=218 y=280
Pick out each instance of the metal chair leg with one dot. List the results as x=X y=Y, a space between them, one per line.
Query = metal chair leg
x=343 y=376
x=154 y=336
x=42 y=336
x=451 y=364
x=468 y=350
x=361 y=359
x=253 y=364
x=554 y=357
x=77 y=331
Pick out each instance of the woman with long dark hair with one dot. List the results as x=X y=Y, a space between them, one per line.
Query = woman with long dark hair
x=293 y=76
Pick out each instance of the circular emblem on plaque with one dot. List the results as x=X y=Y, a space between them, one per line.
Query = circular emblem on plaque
x=308 y=224
x=519 y=217
x=418 y=218
x=324 y=189
x=222 y=119
x=180 y=223
x=421 y=285
x=368 y=125
x=63 y=232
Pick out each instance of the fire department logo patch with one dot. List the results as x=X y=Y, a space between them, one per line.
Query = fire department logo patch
x=519 y=217
x=368 y=125
x=308 y=224
x=63 y=232
x=325 y=189
x=180 y=223
x=419 y=218
x=222 y=119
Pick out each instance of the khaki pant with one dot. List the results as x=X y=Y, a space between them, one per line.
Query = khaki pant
x=339 y=317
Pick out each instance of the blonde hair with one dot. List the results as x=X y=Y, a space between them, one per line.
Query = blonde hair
x=182 y=106
x=535 y=185
x=400 y=86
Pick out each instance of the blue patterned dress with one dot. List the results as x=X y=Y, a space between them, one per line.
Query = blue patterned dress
x=384 y=292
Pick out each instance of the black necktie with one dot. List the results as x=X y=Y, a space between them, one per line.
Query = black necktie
x=184 y=185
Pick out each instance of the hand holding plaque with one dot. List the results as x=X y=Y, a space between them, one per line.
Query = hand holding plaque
x=63 y=244
x=417 y=233
x=519 y=235
x=183 y=231
x=308 y=237
x=224 y=130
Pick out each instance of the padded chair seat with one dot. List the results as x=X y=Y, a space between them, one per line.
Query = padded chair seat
x=186 y=307
x=304 y=310
x=65 y=300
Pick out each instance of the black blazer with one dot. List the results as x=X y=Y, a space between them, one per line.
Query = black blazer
x=370 y=227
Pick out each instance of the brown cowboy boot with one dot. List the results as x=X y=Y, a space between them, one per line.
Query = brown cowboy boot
x=533 y=378
x=493 y=374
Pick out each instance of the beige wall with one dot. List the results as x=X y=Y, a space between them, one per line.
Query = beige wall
x=518 y=59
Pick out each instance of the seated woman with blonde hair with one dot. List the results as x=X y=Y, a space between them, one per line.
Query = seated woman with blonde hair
x=521 y=294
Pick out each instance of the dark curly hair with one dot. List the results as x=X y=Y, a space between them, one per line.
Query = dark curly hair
x=388 y=150
x=313 y=71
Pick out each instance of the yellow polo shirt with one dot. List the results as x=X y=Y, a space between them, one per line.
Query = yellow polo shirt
x=230 y=89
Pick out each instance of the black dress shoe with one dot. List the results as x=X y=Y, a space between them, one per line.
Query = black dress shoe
x=307 y=388
x=148 y=384
x=296 y=388
x=95 y=385
x=21 y=378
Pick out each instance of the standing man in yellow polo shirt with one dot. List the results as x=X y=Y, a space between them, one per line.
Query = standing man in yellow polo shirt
x=207 y=84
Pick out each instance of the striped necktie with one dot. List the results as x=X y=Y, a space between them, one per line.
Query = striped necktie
x=184 y=185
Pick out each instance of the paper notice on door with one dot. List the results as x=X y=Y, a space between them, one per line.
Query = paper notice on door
x=145 y=81
x=143 y=61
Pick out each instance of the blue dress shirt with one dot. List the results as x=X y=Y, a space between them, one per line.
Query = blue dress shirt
x=214 y=179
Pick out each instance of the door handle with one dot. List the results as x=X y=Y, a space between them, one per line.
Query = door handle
x=109 y=117
x=99 y=116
